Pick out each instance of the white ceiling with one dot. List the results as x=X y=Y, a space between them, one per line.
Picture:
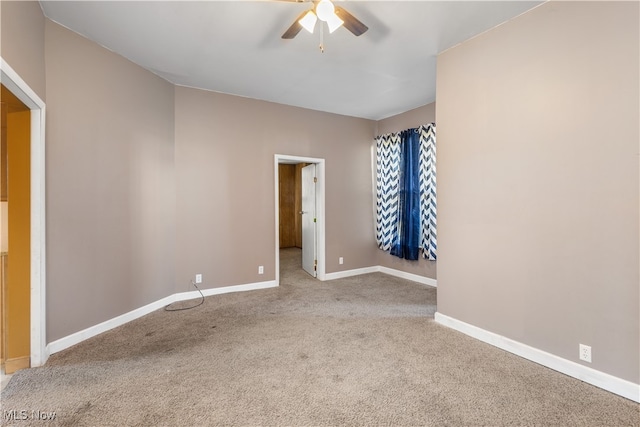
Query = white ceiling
x=235 y=47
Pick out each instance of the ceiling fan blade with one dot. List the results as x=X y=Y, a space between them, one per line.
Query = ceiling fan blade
x=295 y=28
x=351 y=23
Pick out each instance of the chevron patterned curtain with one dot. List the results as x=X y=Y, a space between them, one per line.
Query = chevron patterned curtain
x=388 y=175
x=428 y=235
x=387 y=189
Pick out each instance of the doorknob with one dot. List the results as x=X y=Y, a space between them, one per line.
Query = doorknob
x=302 y=212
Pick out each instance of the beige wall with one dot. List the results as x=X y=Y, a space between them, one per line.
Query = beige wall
x=408 y=120
x=22 y=41
x=110 y=184
x=112 y=181
x=538 y=130
x=225 y=147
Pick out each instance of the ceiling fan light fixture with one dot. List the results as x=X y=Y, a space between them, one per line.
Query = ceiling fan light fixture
x=325 y=10
x=308 y=21
x=334 y=22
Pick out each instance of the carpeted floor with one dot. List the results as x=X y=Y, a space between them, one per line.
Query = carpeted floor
x=355 y=351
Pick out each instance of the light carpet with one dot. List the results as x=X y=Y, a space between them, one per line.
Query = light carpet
x=356 y=351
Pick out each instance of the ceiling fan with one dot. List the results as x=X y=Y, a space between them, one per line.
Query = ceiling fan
x=325 y=11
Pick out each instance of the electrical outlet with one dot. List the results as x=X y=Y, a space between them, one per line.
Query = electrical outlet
x=260 y=269
x=340 y=260
x=198 y=278
x=585 y=353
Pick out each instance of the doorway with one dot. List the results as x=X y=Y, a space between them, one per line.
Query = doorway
x=35 y=214
x=302 y=224
x=297 y=204
x=14 y=233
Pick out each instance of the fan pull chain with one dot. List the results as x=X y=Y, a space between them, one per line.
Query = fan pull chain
x=321 y=37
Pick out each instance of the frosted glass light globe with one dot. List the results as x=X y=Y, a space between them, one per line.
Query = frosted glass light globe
x=325 y=10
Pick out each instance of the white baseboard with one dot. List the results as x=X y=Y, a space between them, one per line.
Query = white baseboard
x=380 y=269
x=599 y=379
x=225 y=290
x=351 y=273
x=75 y=338
x=409 y=276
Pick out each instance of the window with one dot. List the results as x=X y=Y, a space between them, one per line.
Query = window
x=406 y=192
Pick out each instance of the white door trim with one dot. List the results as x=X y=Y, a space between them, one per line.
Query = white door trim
x=12 y=81
x=320 y=211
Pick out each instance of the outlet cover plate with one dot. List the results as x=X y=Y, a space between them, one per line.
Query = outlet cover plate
x=585 y=353
x=198 y=278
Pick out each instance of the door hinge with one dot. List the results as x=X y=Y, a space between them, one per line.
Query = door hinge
x=315 y=179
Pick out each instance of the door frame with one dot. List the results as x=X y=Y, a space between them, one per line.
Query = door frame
x=12 y=81
x=320 y=211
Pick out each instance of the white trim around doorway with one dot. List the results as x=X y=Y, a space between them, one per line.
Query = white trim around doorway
x=320 y=210
x=12 y=81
